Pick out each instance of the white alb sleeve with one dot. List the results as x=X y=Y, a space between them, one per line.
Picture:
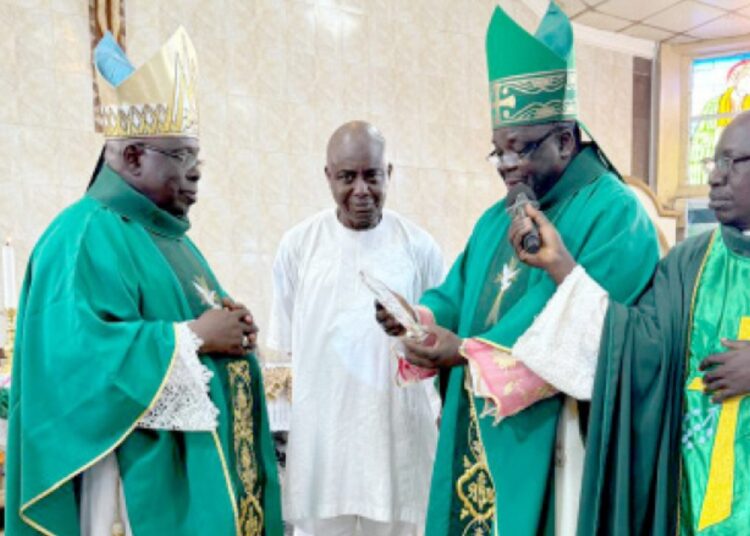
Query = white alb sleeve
x=184 y=403
x=562 y=344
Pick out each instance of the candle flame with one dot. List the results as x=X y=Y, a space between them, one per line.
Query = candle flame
x=7 y=241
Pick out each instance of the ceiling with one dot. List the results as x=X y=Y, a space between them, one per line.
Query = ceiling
x=672 y=21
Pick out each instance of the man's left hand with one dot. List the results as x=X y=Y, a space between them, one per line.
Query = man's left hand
x=439 y=350
x=730 y=375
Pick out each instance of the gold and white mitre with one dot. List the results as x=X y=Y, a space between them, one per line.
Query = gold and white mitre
x=157 y=99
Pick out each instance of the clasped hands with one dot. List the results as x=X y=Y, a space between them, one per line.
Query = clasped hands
x=229 y=330
x=440 y=348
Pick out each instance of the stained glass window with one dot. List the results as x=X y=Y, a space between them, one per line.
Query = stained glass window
x=720 y=89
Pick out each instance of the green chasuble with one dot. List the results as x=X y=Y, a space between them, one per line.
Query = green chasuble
x=503 y=474
x=95 y=344
x=661 y=458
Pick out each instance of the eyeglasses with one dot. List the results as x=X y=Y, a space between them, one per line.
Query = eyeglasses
x=512 y=158
x=724 y=164
x=187 y=158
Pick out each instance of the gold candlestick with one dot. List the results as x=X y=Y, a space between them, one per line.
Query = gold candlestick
x=7 y=364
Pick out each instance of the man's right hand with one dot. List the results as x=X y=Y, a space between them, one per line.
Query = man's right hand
x=553 y=256
x=388 y=322
x=224 y=331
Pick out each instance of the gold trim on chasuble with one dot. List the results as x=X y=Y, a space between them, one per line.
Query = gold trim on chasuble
x=240 y=386
x=717 y=500
x=534 y=97
x=28 y=504
x=678 y=524
x=721 y=422
x=474 y=488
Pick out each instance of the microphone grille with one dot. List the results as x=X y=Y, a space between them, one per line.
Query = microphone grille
x=517 y=190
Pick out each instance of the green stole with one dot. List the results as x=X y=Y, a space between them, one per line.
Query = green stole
x=638 y=472
x=103 y=288
x=504 y=472
x=715 y=479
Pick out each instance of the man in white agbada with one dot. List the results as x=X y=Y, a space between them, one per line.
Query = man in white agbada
x=361 y=447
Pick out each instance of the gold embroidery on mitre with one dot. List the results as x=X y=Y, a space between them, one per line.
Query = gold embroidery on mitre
x=240 y=385
x=534 y=97
x=474 y=488
x=158 y=99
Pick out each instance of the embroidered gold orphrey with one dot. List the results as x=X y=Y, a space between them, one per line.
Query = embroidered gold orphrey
x=250 y=510
x=474 y=488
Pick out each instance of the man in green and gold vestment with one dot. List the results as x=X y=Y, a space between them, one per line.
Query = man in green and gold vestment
x=504 y=416
x=668 y=449
x=137 y=406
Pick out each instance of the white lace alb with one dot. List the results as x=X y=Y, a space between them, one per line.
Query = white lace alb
x=562 y=345
x=184 y=403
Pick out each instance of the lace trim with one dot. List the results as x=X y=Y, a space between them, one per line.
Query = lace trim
x=562 y=345
x=184 y=404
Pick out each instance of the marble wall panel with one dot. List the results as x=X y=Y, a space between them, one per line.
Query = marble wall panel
x=277 y=76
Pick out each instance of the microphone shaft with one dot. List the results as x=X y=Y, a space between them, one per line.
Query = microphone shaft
x=530 y=242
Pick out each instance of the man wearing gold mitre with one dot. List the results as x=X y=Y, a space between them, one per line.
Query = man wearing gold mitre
x=137 y=404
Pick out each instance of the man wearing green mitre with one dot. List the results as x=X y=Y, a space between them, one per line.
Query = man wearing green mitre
x=667 y=450
x=137 y=406
x=510 y=450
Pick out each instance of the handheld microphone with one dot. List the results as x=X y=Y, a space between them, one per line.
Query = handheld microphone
x=518 y=197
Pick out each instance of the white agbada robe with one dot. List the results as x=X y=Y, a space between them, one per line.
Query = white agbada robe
x=359 y=444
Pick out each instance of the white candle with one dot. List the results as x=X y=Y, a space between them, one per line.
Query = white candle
x=9 y=276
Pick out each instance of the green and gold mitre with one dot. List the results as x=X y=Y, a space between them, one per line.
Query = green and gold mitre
x=532 y=77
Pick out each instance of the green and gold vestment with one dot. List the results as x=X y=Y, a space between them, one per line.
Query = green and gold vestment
x=104 y=287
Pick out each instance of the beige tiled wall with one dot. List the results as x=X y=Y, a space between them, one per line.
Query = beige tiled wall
x=277 y=76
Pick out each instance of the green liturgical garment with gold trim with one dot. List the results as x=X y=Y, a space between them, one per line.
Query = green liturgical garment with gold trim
x=660 y=457
x=715 y=483
x=503 y=474
x=95 y=344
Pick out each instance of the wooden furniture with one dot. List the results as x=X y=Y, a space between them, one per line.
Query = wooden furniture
x=665 y=220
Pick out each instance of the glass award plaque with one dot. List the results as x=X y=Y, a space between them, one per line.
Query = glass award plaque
x=390 y=302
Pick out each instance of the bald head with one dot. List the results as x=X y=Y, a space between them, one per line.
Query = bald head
x=352 y=138
x=730 y=180
x=357 y=174
x=742 y=122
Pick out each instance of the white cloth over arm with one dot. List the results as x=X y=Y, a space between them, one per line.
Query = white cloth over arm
x=562 y=344
x=557 y=353
x=184 y=403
